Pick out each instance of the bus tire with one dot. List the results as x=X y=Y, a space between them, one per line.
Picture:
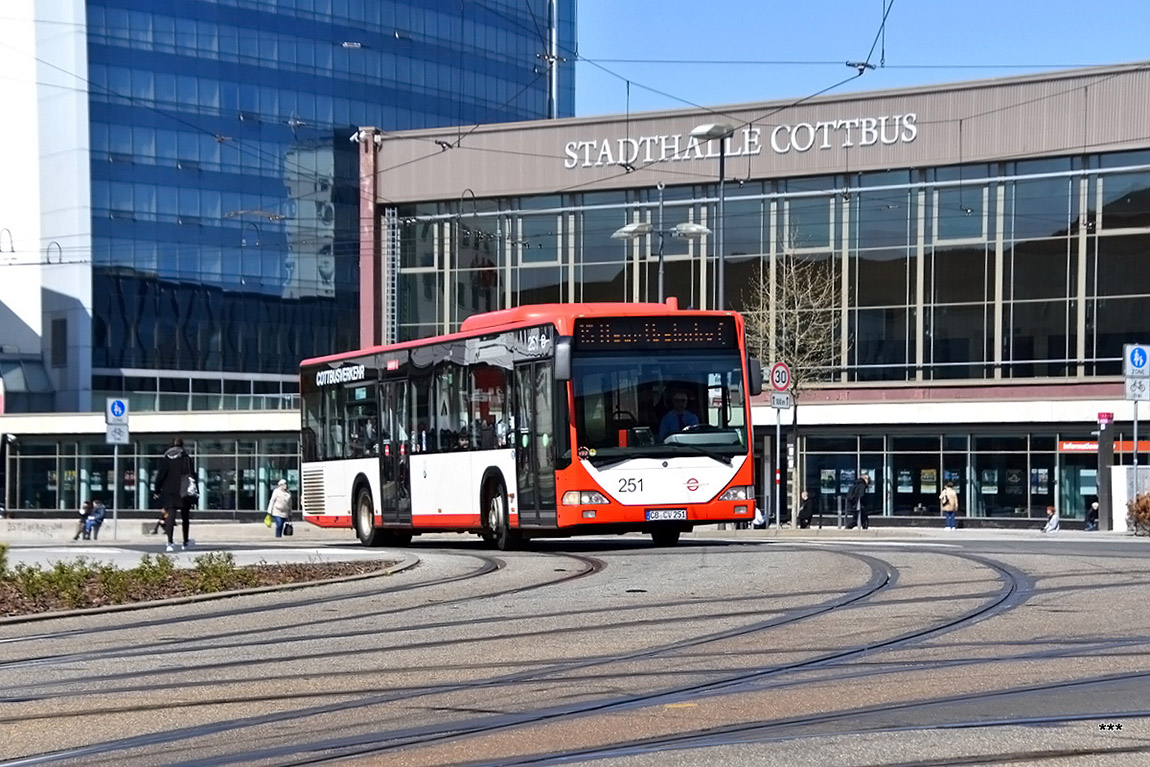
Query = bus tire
x=365 y=529
x=497 y=522
x=665 y=536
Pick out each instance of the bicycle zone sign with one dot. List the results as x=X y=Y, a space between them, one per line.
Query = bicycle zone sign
x=780 y=376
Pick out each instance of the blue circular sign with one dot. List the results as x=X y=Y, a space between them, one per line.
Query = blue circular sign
x=1138 y=357
x=118 y=407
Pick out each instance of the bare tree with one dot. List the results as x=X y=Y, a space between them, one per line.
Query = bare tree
x=793 y=315
x=797 y=321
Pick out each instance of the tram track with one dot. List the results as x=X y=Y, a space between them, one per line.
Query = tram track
x=880 y=578
x=489 y=565
x=395 y=742
x=883 y=576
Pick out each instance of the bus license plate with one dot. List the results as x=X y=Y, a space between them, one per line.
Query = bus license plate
x=666 y=515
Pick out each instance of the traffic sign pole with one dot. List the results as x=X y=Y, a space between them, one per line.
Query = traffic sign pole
x=1136 y=368
x=115 y=491
x=781 y=381
x=778 y=455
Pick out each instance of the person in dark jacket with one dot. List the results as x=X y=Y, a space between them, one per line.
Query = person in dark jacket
x=856 y=502
x=806 y=510
x=95 y=519
x=175 y=477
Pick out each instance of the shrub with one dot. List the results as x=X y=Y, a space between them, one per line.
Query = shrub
x=218 y=572
x=67 y=580
x=116 y=586
x=29 y=581
x=1138 y=514
x=154 y=572
x=3 y=561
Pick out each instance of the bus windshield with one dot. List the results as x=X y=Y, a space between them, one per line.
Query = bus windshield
x=650 y=404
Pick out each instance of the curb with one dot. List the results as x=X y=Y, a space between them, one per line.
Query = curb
x=408 y=563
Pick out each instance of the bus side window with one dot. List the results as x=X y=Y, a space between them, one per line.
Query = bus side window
x=488 y=407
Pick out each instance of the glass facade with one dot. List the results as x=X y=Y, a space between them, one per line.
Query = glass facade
x=998 y=473
x=1028 y=270
x=224 y=189
x=235 y=474
x=1031 y=269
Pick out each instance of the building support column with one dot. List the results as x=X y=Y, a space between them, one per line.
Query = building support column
x=372 y=277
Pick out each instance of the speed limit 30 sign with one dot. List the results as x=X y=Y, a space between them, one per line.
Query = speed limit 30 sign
x=780 y=376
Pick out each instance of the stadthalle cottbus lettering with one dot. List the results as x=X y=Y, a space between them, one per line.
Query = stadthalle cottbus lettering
x=863 y=131
x=747 y=141
x=339 y=375
x=801 y=137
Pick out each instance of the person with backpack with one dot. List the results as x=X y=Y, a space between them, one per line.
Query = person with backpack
x=948 y=500
x=177 y=488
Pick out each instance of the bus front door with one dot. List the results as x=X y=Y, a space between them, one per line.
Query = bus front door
x=534 y=434
x=394 y=471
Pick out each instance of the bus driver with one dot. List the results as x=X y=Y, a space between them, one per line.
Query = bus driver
x=678 y=417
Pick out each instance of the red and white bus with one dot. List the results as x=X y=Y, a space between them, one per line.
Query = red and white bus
x=538 y=421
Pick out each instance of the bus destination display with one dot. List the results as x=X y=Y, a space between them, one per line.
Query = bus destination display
x=603 y=333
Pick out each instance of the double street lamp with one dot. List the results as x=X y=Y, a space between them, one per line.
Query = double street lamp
x=642 y=228
x=722 y=132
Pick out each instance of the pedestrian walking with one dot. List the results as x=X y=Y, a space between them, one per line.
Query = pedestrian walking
x=806 y=510
x=280 y=506
x=1052 y=522
x=856 y=502
x=948 y=501
x=82 y=523
x=176 y=487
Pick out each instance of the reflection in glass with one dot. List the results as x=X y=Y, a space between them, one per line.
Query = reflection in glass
x=958 y=336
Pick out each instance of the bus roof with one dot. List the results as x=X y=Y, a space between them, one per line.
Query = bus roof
x=563 y=316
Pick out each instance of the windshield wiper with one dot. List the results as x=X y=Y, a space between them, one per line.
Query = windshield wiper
x=709 y=453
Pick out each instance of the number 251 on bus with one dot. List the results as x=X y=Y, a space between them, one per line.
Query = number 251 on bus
x=539 y=421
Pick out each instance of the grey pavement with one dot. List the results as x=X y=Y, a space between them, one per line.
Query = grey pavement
x=43 y=542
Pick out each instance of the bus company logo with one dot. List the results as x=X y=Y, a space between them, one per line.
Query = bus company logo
x=692 y=484
x=340 y=375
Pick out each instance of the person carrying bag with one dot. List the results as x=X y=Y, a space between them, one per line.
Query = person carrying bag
x=177 y=488
x=279 y=507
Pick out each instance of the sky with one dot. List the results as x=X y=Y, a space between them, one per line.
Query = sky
x=643 y=55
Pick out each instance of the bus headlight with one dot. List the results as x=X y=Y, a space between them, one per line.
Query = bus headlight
x=576 y=497
x=738 y=493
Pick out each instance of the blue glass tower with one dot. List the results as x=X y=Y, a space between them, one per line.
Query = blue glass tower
x=224 y=202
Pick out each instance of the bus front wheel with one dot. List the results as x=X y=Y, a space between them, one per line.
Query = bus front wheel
x=665 y=536
x=497 y=528
x=365 y=519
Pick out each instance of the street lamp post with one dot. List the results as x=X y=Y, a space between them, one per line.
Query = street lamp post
x=708 y=132
x=638 y=229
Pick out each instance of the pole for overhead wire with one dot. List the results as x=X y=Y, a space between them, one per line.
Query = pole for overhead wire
x=662 y=295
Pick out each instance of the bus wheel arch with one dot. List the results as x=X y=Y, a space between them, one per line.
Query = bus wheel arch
x=496 y=513
x=363 y=513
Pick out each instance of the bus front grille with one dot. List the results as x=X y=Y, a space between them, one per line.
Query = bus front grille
x=313 y=495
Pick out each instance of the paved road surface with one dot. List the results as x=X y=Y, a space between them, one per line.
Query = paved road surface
x=734 y=648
